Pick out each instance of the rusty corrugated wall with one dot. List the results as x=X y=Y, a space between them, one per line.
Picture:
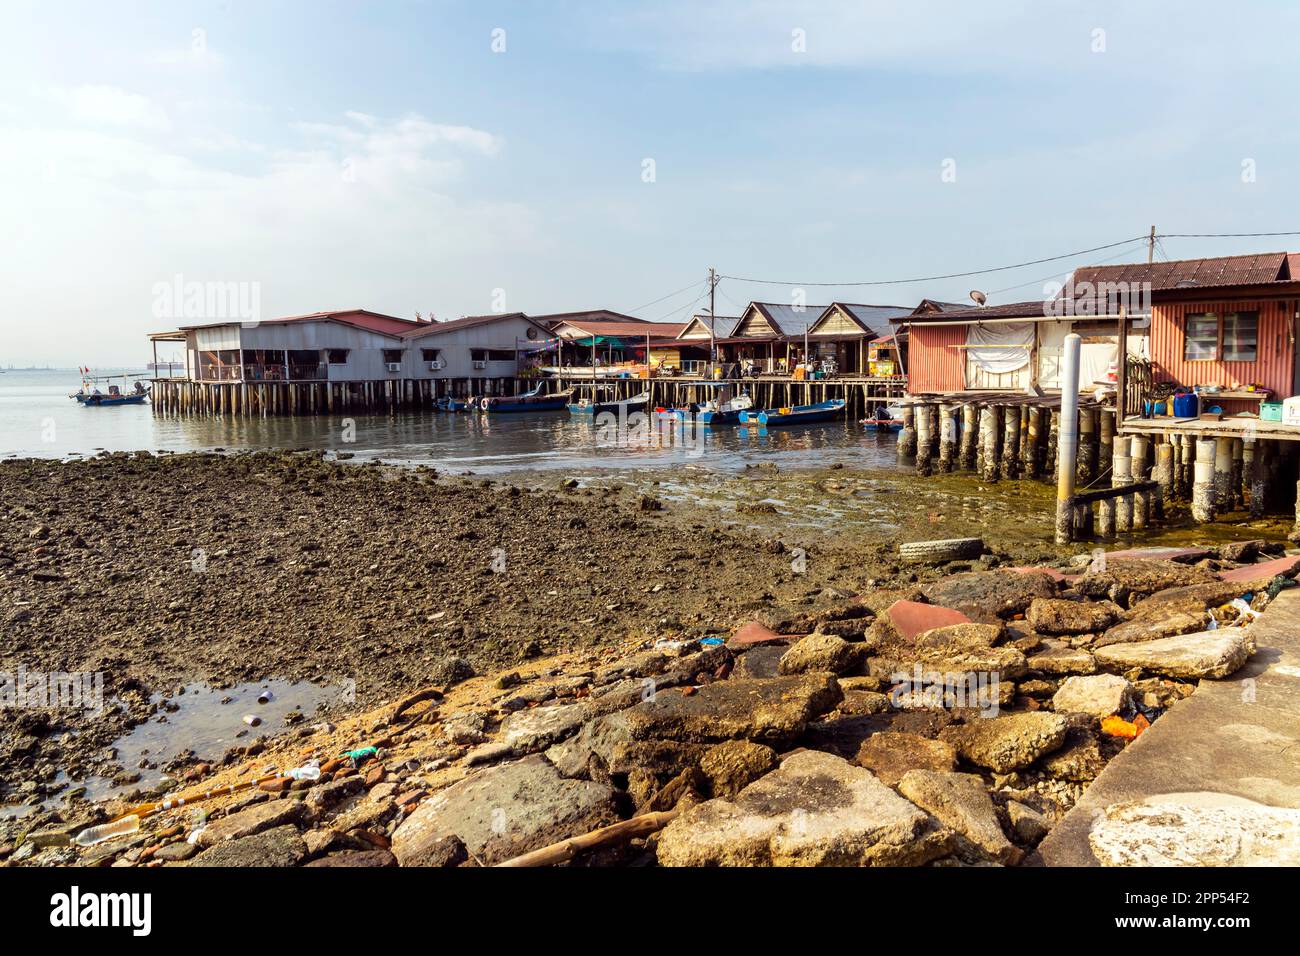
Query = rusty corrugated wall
x=932 y=365
x=1275 y=353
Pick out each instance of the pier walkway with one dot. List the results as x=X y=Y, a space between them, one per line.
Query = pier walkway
x=1222 y=766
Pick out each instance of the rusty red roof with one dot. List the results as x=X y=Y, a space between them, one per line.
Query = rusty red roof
x=1256 y=269
x=1033 y=309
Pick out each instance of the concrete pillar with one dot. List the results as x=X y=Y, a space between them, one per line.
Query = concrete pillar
x=1033 y=440
x=907 y=435
x=1106 y=519
x=970 y=433
x=1105 y=438
x=1010 y=441
x=1120 y=475
x=1138 y=470
x=1163 y=474
x=947 y=437
x=1222 y=475
x=1087 y=445
x=924 y=440
x=1203 y=482
x=989 y=443
x=1252 y=468
x=1238 y=470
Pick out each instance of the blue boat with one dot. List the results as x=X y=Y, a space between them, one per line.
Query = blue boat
x=91 y=397
x=795 y=415
x=586 y=406
x=887 y=418
x=449 y=404
x=532 y=401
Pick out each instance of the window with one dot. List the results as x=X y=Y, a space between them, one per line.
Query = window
x=492 y=355
x=430 y=355
x=1234 y=337
x=1240 y=336
x=337 y=356
x=1201 y=343
x=392 y=355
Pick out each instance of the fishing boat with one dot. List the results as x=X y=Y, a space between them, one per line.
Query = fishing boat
x=795 y=415
x=90 y=394
x=887 y=418
x=586 y=406
x=449 y=404
x=532 y=401
x=725 y=409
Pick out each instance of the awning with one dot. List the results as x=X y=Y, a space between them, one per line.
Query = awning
x=599 y=340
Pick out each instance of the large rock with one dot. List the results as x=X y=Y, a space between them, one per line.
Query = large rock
x=1100 y=695
x=772 y=711
x=528 y=731
x=1123 y=578
x=733 y=765
x=1056 y=657
x=279 y=847
x=255 y=819
x=814 y=810
x=1210 y=654
x=1005 y=662
x=990 y=595
x=1060 y=616
x=1149 y=627
x=820 y=652
x=890 y=754
x=960 y=637
x=759 y=662
x=504 y=811
x=1007 y=742
x=960 y=802
x=1216 y=830
x=1079 y=760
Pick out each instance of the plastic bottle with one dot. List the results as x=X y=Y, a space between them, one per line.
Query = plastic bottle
x=308 y=771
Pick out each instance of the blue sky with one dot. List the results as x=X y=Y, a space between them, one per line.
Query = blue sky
x=383 y=155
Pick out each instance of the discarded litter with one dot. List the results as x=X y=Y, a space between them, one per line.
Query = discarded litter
x=252 y=720
x=107 y=831
x=361 y=754
x=265 y=697
x=712 y=642
x=308 y=771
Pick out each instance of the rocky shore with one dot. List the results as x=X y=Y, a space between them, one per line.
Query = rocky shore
x=628 y=660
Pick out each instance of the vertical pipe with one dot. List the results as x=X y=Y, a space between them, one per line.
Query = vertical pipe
x=1067 y=443
x=1203 y=485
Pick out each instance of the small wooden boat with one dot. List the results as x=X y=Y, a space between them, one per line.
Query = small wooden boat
x=795 y=415
x=585 y=406
x=887 y=418
x=91 y=396
x=532 y=401
x=449 y=404
x=727 y=412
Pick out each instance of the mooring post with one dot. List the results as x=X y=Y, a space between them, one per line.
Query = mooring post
x=947 y=437
x=1203 y=484
x=1067 y=443
x=970 y=432
x=989 y=443
x=907 y=436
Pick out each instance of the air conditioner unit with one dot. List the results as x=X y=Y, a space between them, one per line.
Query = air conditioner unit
x=480 y=364
x=394 y=366
x=436 y=364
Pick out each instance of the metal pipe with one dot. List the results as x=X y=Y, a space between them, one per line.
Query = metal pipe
x=1067 y=442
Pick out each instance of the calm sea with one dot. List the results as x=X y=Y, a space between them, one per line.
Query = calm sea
x=38 y=418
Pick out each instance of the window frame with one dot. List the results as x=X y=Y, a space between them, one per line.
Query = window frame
x=1223 y=334
x=1220 y=330
x=388 y=360
x=329 y=356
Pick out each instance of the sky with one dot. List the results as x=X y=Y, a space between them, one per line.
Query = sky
x=463 y=158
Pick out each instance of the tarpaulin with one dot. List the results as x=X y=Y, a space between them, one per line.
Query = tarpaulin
x=1001 y=347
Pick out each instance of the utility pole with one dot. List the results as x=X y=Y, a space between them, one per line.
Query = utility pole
x=713 y=322
x=1151 y=246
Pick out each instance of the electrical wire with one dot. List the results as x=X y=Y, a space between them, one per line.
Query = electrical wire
x=668 y=296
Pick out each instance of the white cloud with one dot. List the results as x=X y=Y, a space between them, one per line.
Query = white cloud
x=99 y=105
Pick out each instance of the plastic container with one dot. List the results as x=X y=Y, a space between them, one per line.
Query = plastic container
x=1186 y=405
x=1270 y=411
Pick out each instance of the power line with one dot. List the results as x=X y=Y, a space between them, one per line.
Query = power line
x=1118 y=255
x=951 y=275
x=665 y=297
x=1223 y=235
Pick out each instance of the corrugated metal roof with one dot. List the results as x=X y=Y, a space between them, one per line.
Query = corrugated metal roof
x=634 y=329
x=790 y=319
x=1254 y=269
x=360 y=318
x=466 y=322
x=926 y=306
x=874 y=318
x=1032 y=309
x=720 y=324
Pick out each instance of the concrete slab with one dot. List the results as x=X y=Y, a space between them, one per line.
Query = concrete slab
x=756 y=633
x=1160 y=554
x=1264 y=571
x=910 y=618
x=1233 y=740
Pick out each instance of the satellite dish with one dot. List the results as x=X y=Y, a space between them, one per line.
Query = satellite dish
x=979 y=297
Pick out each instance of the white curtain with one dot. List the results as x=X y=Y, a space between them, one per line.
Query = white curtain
x=1000 y=348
